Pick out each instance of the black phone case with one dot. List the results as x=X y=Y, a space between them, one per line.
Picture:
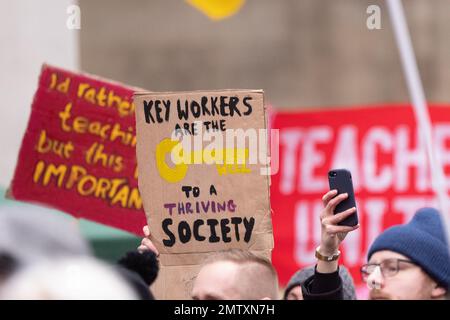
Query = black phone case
x=342 y=182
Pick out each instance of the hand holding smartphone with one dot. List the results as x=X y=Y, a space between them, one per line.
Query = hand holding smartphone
x=341 y=180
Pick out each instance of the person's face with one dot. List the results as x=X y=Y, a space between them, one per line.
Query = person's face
x=295 y=293
x=217 y=281
x=409 y=283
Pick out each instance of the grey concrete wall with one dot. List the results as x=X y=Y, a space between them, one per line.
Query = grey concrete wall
x=32 y=32
x=301 y=52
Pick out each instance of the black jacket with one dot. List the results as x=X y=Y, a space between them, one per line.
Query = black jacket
x=323 y=286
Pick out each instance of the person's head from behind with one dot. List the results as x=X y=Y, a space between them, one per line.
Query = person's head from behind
x=67 y=279
x=29 y=234
x=410 y=261
x=235 y=275
x=293 y=289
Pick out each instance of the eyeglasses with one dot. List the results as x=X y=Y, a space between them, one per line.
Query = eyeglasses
x=388 y=267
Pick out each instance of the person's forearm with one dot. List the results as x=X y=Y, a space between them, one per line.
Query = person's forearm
x=327 y=267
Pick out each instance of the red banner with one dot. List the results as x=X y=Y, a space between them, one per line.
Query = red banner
x=381 y=148
x=78 y=153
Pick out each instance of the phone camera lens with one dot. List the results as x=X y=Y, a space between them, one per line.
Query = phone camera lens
x=332 y=174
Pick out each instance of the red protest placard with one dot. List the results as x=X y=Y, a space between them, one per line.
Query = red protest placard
x=78 y=152
x=381 y=148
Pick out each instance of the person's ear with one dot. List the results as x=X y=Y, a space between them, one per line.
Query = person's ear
x=438 y=292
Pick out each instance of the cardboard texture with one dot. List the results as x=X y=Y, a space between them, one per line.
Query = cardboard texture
x=194 y=209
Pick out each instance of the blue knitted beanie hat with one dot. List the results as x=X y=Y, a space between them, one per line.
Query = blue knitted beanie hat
x=422 y=240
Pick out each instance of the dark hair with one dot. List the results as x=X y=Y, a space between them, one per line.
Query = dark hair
x=144 y=264
x=140 y=270
x=7 y=265
x=136 y=283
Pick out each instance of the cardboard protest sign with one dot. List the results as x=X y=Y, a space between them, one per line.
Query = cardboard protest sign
x=202 y=159
x=78 y=152
x=383 y=151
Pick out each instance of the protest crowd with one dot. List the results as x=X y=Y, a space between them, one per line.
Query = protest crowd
x=229 y=196
x=53 y=261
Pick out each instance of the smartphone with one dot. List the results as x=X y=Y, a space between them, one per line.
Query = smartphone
x=341 y=180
